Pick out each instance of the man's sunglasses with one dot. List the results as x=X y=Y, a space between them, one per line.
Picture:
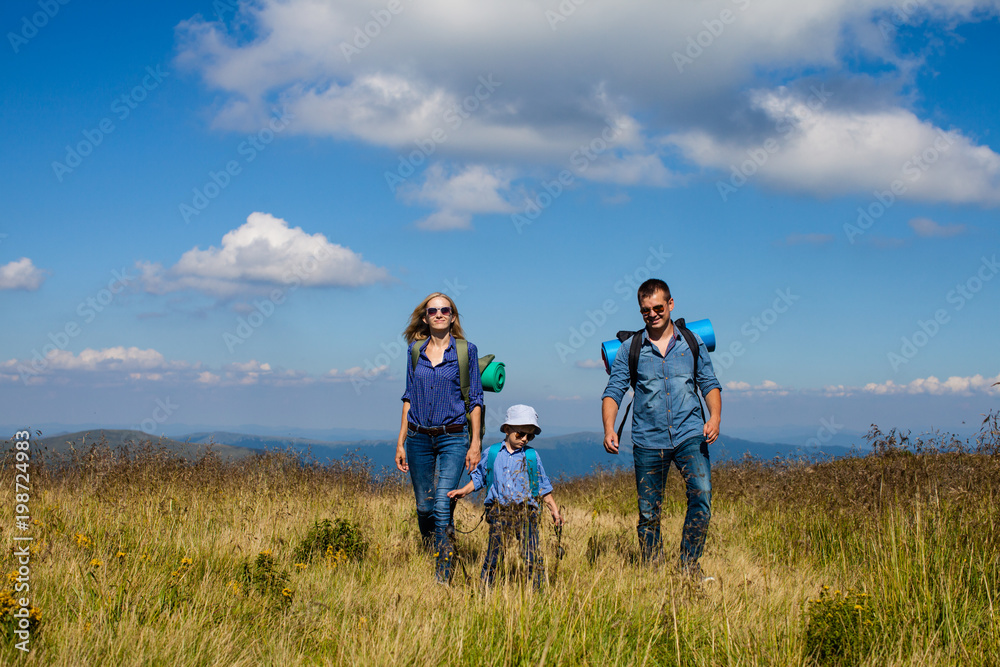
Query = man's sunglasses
x=658 y=309
x=444 y=311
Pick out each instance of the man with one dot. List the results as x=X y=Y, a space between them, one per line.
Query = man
x=668 y=423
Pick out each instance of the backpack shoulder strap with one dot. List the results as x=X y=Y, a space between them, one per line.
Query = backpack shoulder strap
x=692 y=343
x=532 y=459
x=415 y=351
x=635 y=347
x=462 y=348
x=491 y=458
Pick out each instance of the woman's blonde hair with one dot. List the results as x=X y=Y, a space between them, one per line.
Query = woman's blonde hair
x=419 y=330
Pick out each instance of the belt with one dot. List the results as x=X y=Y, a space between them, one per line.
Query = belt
x=436 y=430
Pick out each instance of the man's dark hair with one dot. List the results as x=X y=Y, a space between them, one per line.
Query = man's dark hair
x=650 y=287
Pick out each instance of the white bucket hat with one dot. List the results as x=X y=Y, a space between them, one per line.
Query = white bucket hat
x=521 y=415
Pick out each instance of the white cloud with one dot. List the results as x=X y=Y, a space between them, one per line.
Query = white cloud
x=260 y=254
x=927 y=228
x=931 y=385
x=834 y=151
x=765 y=388
x=473 y=189
x=590 y=363
x=112 y=358
x=21 y=275
x=442 y=80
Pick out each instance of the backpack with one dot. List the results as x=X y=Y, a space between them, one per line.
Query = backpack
x=462 y=348
x=633 y=360
x=529 y=455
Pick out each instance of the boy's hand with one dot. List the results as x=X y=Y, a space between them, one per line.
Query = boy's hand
x=462 y=492
x=557 y=518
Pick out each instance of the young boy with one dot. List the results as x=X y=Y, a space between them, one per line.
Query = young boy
x=515 y=477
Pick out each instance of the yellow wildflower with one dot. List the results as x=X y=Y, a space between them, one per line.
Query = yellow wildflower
x=287 y=592
x=185 y=562
x=95 y=563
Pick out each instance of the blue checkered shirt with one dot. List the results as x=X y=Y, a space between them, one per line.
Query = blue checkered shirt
x=435 y=392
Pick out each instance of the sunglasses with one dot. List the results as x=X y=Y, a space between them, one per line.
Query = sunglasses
x=658 y=309
x=530 y=435
x=444 y=311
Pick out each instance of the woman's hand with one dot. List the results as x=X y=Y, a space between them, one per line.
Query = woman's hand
x=472 y=457
x=401 y=458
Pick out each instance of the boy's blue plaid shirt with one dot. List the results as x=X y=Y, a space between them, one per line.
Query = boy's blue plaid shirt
x=511 y=484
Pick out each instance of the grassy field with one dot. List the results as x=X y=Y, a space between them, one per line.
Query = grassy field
x=887 y=559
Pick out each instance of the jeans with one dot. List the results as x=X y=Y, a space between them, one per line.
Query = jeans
x=507 y=521
x=651 y=466
x=436 y=464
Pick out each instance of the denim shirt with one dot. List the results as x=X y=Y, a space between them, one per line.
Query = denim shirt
x=666 y=410
x=510 y=478
x=435 y=392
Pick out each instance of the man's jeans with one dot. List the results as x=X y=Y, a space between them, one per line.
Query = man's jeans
x=436 y=464
x=651 y=466
x=507 y=522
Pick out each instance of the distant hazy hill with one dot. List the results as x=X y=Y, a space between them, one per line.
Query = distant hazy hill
x=565 y=455
x=118 y=438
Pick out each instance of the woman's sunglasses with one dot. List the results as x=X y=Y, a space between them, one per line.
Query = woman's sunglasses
x=658 y=309
x=444 y=311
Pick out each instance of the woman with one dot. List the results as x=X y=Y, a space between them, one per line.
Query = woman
x=434 y=434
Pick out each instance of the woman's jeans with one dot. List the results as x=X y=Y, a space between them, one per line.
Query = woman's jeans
x=651 y=466
x=436 y=464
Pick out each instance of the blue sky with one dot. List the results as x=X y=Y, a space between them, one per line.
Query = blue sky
x=821 y=180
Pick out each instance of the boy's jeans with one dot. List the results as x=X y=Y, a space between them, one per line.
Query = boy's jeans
x=436 y=464
x=505 y=521
x=651 y=466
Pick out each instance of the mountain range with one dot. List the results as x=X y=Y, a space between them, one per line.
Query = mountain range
x=563 y=456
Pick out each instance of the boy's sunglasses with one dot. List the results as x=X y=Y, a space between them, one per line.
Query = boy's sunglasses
x=530 y=435
x=658 y=309
x=444 y=311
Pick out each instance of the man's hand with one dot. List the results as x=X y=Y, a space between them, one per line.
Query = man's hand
x=711 y=430
x=611 y=442
x=401 y=458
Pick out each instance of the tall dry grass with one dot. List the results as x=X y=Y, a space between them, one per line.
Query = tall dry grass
x=141 y=558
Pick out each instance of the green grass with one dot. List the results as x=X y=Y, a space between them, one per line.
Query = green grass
x=886 y=559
